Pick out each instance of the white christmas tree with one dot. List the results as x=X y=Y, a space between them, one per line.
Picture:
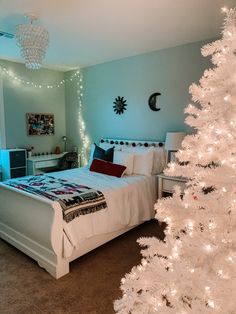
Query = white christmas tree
x=194 y=269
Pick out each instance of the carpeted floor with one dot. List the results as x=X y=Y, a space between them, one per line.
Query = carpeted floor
x=90 y=288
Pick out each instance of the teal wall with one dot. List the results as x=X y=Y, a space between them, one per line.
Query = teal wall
x=72 y=111
x=20 y=99
x=169 y=71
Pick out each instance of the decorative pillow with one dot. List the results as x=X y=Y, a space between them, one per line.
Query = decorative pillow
x=143 y=159
x=126 y=159
x=136 y=150
x=103 y=154
x=106 y=167
x=159 y=156
x=91 y=155
x=104 y=146
x=108 y=145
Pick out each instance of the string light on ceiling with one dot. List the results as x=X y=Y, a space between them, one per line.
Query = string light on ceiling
x=33 y=41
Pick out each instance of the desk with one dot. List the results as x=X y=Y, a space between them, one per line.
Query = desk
x=40 y=164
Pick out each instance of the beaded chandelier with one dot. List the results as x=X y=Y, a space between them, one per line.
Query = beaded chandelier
x=33 y=41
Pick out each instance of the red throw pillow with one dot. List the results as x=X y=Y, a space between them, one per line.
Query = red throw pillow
x=107 y=167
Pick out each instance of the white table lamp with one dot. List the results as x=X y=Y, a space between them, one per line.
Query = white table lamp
x=173 y=142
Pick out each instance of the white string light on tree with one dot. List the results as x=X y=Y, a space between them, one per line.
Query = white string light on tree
x=193 y=269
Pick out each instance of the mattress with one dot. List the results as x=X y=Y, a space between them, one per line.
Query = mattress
x=130 y=201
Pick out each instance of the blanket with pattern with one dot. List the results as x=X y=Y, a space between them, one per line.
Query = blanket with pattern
x=75 y=199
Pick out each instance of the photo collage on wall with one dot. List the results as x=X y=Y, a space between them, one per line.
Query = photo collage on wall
x=40 y=123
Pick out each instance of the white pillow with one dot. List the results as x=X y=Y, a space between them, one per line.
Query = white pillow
x=91 y=155
x=126 y=159
x=159 y=160
x=143 y=162
x=143 y=159
x=159 y=156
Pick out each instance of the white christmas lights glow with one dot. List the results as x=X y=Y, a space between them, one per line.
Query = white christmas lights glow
x=18 y=79
x=82 y=127
x=75 y=76
x=224 y=9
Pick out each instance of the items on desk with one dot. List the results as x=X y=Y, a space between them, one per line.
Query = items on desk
x=29 y=151
x=57 y=150
x=41 y=154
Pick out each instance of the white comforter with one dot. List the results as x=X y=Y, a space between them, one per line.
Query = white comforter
x=130 y=201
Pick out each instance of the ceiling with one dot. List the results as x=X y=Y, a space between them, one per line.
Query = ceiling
x=88 y=32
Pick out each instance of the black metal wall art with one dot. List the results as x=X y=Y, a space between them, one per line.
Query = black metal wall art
x=152 y=101
x=119 y=105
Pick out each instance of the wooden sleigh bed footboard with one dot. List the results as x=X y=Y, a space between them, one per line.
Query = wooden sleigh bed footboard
x=35 y=227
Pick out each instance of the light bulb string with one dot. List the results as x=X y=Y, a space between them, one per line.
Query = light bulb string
x=77 y=75
x=13 y=76
x=82 y=125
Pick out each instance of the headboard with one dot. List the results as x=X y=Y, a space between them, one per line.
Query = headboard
x=156 y=164
x=133 y=143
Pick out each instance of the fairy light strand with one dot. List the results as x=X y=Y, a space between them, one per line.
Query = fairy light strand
x=77 y=75
x=18 y=79
x=82 y=126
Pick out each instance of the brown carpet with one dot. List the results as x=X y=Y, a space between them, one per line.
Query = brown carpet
x=91 y=286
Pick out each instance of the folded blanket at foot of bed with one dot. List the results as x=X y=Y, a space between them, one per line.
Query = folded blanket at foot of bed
x=75 y=199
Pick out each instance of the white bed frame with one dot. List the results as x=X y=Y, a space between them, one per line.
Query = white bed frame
x=32 y=225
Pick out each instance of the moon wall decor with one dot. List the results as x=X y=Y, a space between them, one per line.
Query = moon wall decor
x=152 y=102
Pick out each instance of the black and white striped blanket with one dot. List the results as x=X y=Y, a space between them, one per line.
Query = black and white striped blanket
x=75 y=199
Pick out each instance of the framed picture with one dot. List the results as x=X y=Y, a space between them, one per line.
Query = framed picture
x=40 y=123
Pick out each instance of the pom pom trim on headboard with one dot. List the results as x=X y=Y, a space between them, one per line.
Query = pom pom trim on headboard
x=132 y=143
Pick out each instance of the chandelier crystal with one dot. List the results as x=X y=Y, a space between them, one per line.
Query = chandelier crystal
x=33 y=42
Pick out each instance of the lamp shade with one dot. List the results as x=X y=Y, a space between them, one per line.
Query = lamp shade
x=174 y=140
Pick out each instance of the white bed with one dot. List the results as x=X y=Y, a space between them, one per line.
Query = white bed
x=36 y=226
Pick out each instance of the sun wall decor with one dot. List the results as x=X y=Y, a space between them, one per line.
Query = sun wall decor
x=119 y=105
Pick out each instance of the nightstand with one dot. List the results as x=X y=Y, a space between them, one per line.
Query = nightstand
x=166 y=184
